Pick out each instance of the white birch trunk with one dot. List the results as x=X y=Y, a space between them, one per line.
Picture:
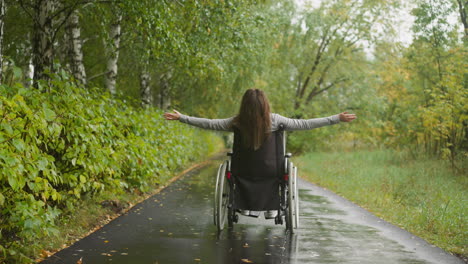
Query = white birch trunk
x=145 y=89
x=29 y=76
x=164 y=101
x=62 y=49
x=2 y=22
x=75 y=51
x=113 y=56
x=43 y=49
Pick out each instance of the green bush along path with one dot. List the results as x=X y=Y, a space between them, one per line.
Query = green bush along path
x=71 y=144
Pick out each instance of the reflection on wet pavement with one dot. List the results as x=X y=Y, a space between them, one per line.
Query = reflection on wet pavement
x=326 y=238
x=176 y=226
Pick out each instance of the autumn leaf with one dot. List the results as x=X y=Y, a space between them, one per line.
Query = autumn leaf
x=45 y=254
x=246 y=261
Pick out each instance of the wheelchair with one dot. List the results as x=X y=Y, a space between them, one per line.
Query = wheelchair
x=274 y=190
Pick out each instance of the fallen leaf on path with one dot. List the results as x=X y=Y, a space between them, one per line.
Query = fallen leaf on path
x=80 y=261
x=197 y=259
x=246 y=261
x=45 y=254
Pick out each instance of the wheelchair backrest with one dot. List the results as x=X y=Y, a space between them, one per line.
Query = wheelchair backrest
x=265 y=162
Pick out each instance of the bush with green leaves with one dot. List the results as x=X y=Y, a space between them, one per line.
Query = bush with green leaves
x=59 y=145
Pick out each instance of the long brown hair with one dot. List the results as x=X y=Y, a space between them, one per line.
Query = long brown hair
x=253 y=120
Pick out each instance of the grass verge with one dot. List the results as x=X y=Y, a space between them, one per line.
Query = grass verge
x=423 y=196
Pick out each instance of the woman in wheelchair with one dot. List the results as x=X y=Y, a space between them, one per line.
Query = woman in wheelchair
x=258 y=175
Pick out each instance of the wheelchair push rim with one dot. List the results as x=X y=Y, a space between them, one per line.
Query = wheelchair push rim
x=221 y=197
x=292 y=208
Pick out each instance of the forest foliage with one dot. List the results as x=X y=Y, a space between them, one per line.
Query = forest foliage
x=86 y=80
x=56 y=147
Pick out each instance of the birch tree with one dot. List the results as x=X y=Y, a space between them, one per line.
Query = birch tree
x=112 y=50
x=145 y=89
x=164 y=100
x=42 y=39
x=75 y=51
x=48 y=18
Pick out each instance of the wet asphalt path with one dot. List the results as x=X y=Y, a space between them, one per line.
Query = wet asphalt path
x=176 y=226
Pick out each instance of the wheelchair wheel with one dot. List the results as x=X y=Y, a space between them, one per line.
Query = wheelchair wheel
x=292 y=210
x=215 y=201
x=289 y=199
x=221 y=197
x=296 y=199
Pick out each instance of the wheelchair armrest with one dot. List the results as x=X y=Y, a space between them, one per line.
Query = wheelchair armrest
x=288 y=155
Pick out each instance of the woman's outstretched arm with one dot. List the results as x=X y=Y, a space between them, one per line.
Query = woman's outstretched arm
x=346 y=117
x=172 y=116
x=291 y=124
x=213 y=124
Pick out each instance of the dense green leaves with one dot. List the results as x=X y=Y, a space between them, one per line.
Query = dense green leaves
x=57 y=146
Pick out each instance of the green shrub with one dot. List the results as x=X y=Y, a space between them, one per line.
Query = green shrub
x=58 y=145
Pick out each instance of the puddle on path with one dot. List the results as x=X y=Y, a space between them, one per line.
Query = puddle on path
x=176 y=226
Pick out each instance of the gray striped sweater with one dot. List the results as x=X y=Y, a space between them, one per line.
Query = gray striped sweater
x=289 y=124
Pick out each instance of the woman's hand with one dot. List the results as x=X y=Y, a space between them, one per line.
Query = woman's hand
x=172 y=116
x=345 y=117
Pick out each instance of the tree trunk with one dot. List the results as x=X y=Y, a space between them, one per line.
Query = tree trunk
x=42 y=42
x=462 y=6
x=75 y=51
x=113 y=55
x=61 y=50
x=29 y=76
x=2 y=22
x=145 y=89
x=164 y=101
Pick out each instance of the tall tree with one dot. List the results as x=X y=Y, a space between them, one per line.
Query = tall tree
x=112 y=50
x=145 y=86
x=436 y=58
x=164 y=100
x=48 y=18
x=463 y=11
x=75 y=51
x=43 y=38
x=333 y=32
